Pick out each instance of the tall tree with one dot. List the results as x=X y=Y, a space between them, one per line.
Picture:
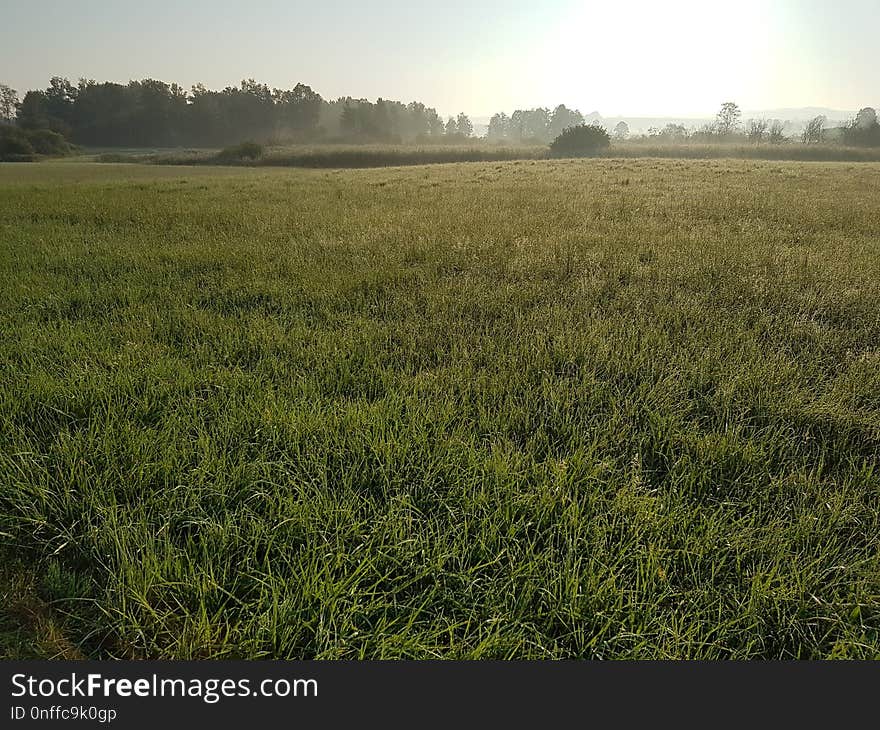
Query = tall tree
x=561 y=119
x=8 y=104
x=866 y=118
x=814 y=132
x=757 y=130
x=498 y=127
x=776 y=134
x=728 y=119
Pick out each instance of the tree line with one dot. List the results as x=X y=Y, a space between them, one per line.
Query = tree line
x=151 y=113
x=861 y=131
x=533 y=125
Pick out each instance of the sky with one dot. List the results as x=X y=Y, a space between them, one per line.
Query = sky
x=676 y=58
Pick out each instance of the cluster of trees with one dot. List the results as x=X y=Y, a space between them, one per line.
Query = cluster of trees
x=727 y=127
x=359 y=120
x=533 y=125
x=863 y=130
x=152 y=113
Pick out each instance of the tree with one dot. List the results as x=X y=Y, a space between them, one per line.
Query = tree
x=776 y=135
x=757 y=129
x=8 y=104
x=814 y=132
x=674 y=133
x=863 y=130
x=498 y=127
x=621 y=131
x=536 y=125
x=561 y=119
x=728 y=119
x=580 y=141
x=451 y=127
x=463 y=126
x=32 y=112
x=436 y=128
x=866 y=118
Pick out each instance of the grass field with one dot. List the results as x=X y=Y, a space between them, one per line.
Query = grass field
x=598 y=409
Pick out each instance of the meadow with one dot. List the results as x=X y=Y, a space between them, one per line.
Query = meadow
x=607 y=408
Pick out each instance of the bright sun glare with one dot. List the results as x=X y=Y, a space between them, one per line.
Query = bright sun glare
x=677 y=57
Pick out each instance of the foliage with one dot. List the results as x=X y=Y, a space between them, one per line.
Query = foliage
x=728 y=120
x=814 y=132
x=776 y=133
x=580 y=141
x=17 y=144
x=14 y=144
x=864 y=130
x=360 y=121
x=673 y=133
x=8 y=104
x=152 y=113
x=538 y=125
x=49 y=143
x=757 y=130
x=244 y=152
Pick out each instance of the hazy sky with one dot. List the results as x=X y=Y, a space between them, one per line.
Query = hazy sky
x=649 y=58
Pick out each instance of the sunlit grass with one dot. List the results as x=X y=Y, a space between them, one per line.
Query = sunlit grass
x=600 y=409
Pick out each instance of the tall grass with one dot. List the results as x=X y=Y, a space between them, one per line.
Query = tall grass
x=365 y=156
x=706 y=151
x=598 y=409
x=342 y=156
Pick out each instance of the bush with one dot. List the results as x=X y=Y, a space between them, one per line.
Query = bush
x=582 y=140
x=47 y=142
x=14 y=144
x=23 y=145
x=239 y=153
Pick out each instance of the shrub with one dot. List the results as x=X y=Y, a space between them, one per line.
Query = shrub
x=239 y=153
x=580 y=141
x=23 y=145
x=47 y=142
x=14 y=144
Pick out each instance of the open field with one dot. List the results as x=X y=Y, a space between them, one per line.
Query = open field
x=602 y=408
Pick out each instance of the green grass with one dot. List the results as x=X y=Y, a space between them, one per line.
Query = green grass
x=598 y=409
